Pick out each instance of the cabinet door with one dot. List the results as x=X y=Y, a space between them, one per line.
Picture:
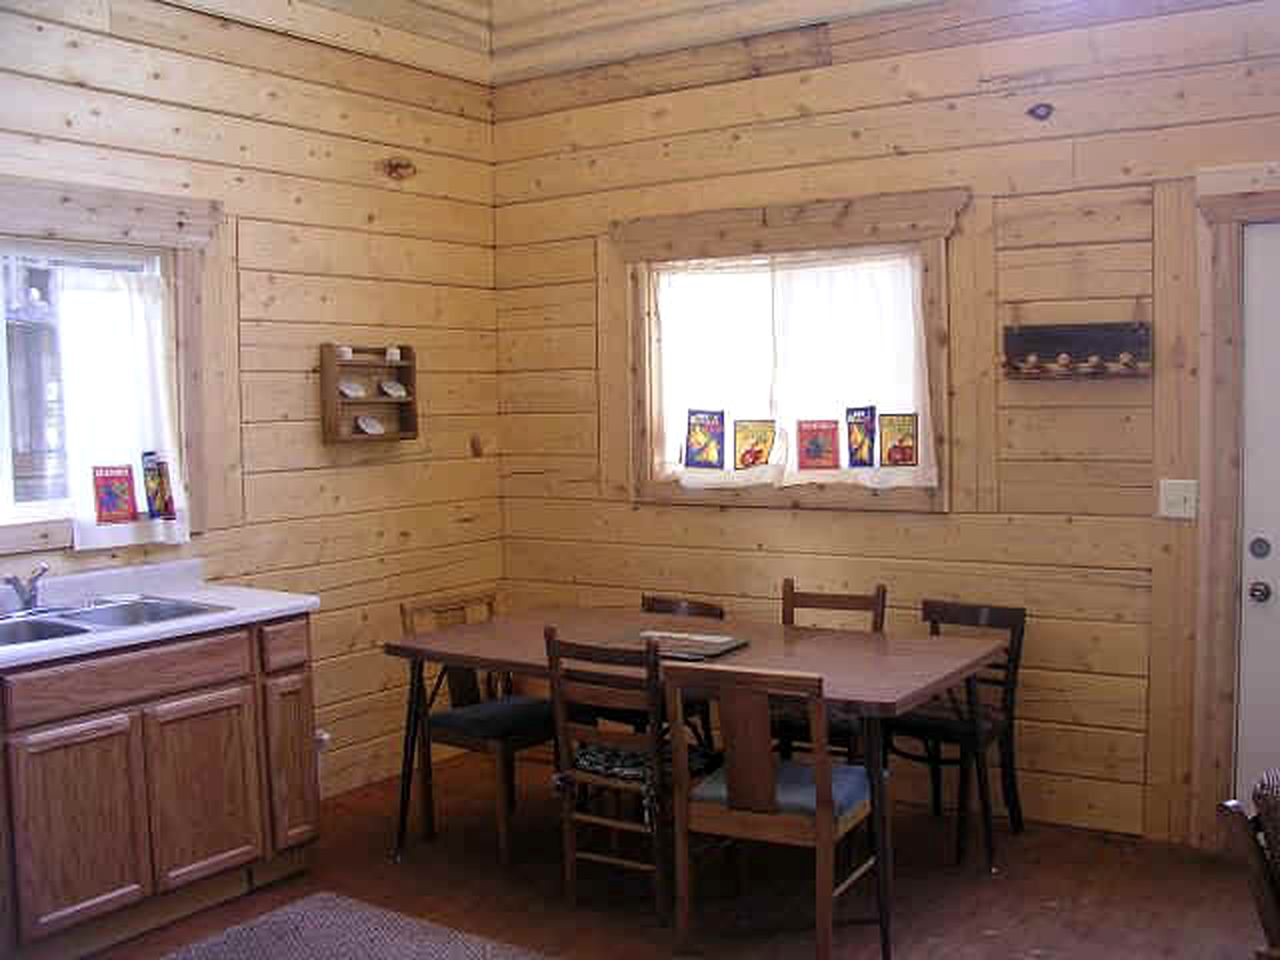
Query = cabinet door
x=202 y=769
x=291 y=759
x=80 y=821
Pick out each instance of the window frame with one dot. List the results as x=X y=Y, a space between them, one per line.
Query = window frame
x=200 y=238
x=144 y=258
x=626 y=316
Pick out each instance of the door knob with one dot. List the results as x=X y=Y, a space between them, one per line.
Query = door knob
x=1259 y=592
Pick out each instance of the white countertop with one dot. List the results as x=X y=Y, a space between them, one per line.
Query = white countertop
x=180 y=580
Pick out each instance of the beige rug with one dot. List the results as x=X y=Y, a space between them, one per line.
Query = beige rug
x=328 y=927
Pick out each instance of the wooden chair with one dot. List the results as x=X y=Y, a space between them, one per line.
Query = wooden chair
x=497 y=723
x=1257 y=839
x=951 y=720
x=789 y=728
x=593 y=759
x=698 y=711
x=757 y=796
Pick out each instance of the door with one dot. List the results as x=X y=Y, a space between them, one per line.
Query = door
x=202 y=767
x=80 y=821
x=291 y=759
x=1258 y=733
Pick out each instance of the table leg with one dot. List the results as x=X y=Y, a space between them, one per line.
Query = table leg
x=880 y=817
x=412 y=713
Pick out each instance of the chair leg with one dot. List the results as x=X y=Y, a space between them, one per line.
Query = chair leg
x=962 y=804
x=510 y=779
x=427 y=772
x=824 y=904
x=569 y=829
x=661 y=871
x=684 y=884
x=984 y=802
x=1009 y=781
x=933 y=750
x=502 y=794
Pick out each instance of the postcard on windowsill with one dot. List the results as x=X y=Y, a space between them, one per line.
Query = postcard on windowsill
x=860 y=423
x=752 y=443
x=899 y=440
x=704 y=443
x=818 y=444
x=113 y=494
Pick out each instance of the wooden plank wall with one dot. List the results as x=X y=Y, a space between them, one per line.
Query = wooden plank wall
x=290 y=135
x=1084 y=216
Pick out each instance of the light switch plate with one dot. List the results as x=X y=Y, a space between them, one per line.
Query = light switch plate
x=1179 y=499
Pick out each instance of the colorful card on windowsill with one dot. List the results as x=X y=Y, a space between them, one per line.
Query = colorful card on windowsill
x=155 y=478
x=899 y=440
x=752 y=443
x=704 y=443
x=113 y=494
x=818 y=444
x=860 y=422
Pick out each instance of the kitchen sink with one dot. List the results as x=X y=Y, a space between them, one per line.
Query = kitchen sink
x=30 y=631
x=136 y=612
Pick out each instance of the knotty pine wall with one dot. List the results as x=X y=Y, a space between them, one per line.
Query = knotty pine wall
x=289 y=135
x=1088 y=216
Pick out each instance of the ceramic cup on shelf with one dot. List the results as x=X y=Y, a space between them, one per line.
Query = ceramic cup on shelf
x=343 y=352
x=393 y=354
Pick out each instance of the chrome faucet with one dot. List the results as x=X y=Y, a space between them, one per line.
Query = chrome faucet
x=28 y=590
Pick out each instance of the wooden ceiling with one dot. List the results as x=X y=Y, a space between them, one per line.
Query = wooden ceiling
x=500 y=41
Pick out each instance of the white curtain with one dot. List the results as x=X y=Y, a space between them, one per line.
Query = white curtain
x=793 y=337
x=119 y=374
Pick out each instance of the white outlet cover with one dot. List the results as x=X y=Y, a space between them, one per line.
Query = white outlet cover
x=1179 y=499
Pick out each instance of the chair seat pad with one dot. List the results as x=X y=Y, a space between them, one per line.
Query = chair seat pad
x=938 y=719
x=795 y=792
x=634 y=765
x=498 y=719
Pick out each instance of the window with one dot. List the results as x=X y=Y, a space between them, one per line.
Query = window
x=765 y=366
x=88 y=392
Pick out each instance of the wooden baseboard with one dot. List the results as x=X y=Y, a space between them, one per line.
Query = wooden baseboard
x=287 y=864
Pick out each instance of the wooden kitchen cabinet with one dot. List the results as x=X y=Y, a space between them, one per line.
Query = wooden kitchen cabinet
x=79 y=802
x=202 y=771
x=291 y=759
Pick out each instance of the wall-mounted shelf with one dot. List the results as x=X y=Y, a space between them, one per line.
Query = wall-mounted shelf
x=354 y=400
x=1077 y=351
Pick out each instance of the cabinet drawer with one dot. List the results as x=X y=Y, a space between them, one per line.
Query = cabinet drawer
x=72 y=689
x=284 y=645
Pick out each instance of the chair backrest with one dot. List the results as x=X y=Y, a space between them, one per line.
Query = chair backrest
x=680 y=606
x=744 y=699
x=874 y=603
x=1246 y=835
x=423 y=615
x=1003 y=673
x=596 y=678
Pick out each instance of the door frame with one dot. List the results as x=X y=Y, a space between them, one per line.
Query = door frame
x=1228 y=201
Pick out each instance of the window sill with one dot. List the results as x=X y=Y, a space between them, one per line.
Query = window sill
x=34 y=537
x=816 y=497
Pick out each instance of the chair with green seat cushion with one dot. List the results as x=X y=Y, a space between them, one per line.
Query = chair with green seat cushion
x=496 y=722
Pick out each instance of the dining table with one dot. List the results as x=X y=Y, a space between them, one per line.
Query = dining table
x=874 y=676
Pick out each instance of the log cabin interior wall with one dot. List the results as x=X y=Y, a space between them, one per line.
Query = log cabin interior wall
x=1084 y=215
x=290 y=136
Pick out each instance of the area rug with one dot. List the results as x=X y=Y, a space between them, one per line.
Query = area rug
x=325 y=926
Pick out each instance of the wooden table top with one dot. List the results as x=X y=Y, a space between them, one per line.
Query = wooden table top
x=882 y=675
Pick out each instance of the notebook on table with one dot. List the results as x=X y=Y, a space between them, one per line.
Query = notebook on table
x=680 y=645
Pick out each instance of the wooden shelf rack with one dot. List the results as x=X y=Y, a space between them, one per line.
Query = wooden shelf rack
x=368 y=367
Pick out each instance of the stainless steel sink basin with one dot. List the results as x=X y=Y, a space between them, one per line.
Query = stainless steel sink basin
x=29 y=631
x=136 y=612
